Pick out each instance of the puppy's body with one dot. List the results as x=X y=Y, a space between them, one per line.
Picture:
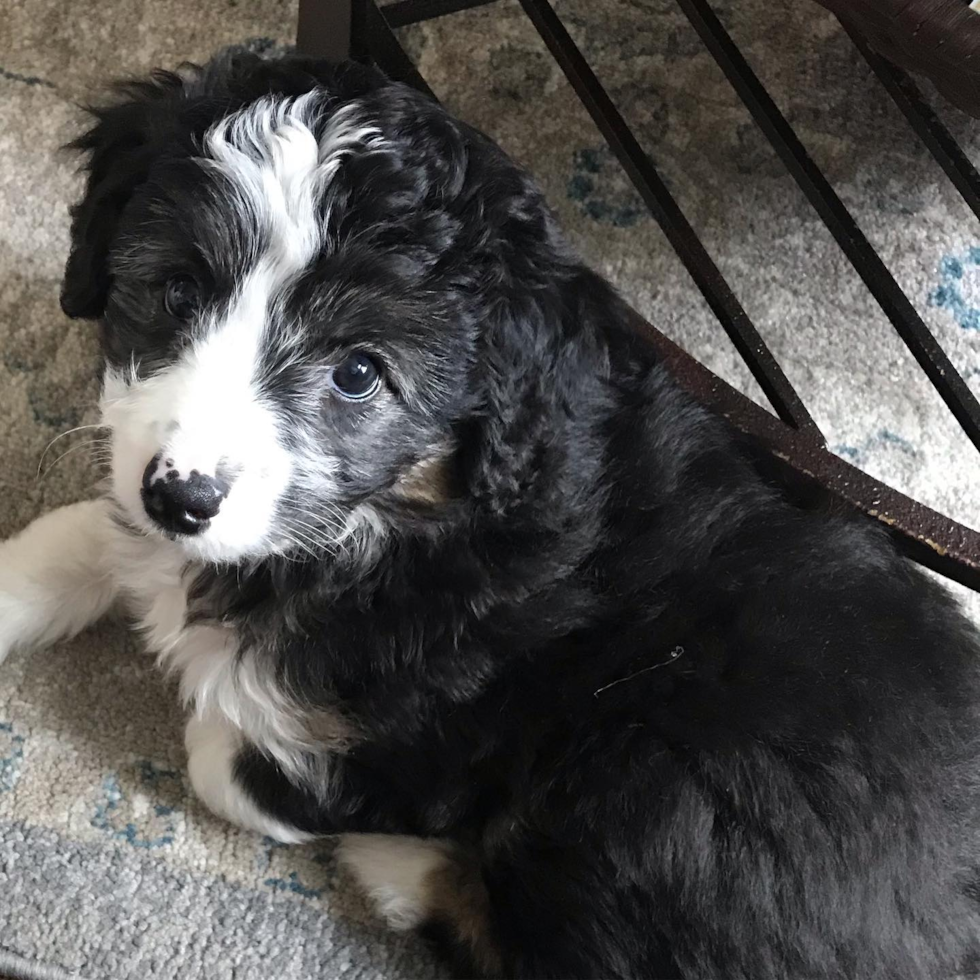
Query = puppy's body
x=523 y=601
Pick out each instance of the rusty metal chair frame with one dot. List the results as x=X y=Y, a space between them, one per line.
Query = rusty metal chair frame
x=788 y=441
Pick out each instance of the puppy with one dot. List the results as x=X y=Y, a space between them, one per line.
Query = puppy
x=446 y=563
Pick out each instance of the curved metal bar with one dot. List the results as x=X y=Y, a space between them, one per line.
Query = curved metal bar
x=813 y=472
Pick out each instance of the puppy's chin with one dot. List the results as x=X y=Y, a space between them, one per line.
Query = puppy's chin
x=213 y=545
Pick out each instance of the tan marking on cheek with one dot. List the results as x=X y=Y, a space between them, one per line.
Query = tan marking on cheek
x=429 y=482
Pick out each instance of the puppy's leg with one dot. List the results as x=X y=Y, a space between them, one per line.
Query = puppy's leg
x=527 y=913
x=214 y=753
x=430 y=885
x=56 y=576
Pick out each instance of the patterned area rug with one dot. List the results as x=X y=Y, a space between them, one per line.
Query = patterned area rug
x=108 y=867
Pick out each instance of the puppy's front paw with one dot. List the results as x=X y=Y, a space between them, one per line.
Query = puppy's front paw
x=213 y=746
x=55 y=577
x=16 y=612
x=26 y=615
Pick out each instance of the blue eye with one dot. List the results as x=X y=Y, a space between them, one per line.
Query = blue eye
x=356 y=377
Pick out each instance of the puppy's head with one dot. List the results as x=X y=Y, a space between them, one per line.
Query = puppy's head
x=311 y=282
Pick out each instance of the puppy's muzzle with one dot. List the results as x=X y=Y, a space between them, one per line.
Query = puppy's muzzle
x=179 y=503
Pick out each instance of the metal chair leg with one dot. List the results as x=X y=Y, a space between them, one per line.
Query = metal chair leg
x=330 y=29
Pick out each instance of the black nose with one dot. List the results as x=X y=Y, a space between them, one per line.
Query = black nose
x=180 y=504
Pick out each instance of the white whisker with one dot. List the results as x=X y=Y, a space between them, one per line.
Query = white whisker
x=67 y=452
x=78 y=428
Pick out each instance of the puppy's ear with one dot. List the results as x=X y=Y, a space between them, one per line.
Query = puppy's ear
x=542 y=369
x=120 y=148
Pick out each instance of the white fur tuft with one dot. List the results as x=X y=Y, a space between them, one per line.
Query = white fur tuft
x=212 y=746
x=394 y=872
x=281 y=171
x=56 y=576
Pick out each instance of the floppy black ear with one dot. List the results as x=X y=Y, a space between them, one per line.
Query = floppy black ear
x=543 y=366
x=120 y=148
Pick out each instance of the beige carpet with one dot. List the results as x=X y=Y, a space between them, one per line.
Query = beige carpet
x=108 y=868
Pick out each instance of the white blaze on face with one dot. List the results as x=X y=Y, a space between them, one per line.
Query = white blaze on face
x=206 y=411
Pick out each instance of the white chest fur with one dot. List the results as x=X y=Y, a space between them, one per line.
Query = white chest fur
x=217 y=677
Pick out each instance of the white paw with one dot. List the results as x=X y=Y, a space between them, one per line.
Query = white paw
x=395 y=873
x=212 y=747
x=55 y=578
x=20 y=618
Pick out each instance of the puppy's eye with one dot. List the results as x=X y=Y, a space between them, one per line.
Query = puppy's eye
x=182 y=297
x=357 y=377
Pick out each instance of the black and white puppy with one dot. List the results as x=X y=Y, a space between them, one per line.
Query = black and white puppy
x=446 y=563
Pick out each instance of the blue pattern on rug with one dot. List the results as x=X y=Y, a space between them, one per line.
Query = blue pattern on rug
x=292 y=884
x=138 y=815
x=291 y=880
x=598 y=192
x=32 y=80
x=958 y=273
x=45 y=414
x=11 y=756
x=264 y=857
x=860 y=454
